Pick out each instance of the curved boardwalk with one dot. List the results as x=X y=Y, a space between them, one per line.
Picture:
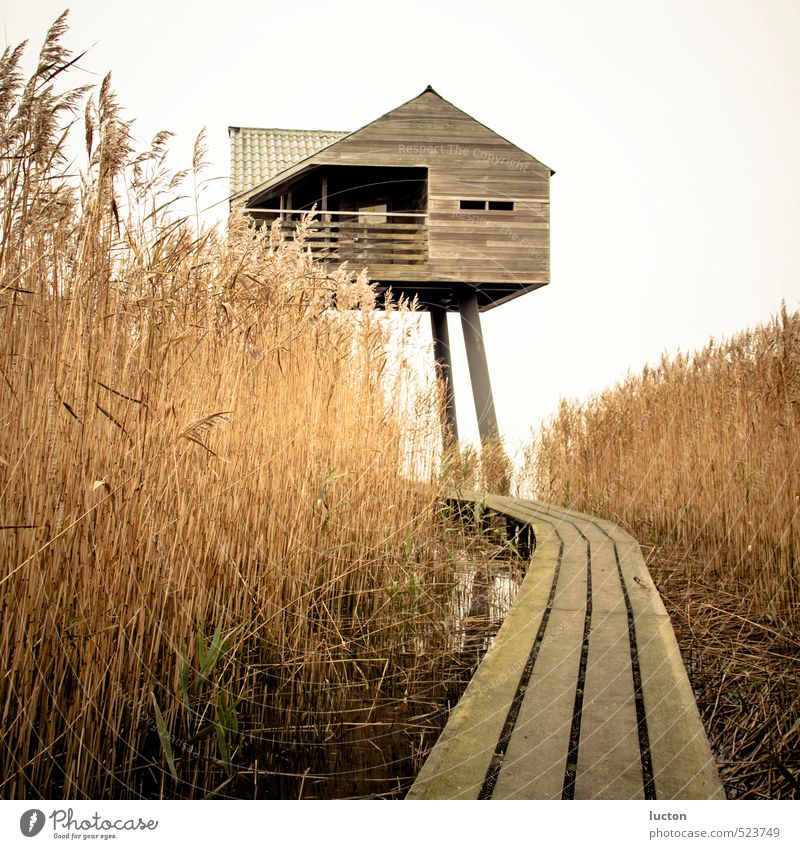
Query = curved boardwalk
x=583 y=693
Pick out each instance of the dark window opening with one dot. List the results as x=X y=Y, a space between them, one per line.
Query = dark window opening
x=496 y=205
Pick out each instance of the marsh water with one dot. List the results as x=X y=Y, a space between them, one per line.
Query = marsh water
x=386 y=729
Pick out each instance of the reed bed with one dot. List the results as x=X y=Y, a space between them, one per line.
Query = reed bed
x=745 y=676
x=699 y=458
x=224 y=569
x=704 y=451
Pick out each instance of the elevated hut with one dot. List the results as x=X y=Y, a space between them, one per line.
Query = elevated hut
x=431 y=201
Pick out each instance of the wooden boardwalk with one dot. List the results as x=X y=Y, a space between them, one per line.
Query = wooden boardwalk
x=583 y=693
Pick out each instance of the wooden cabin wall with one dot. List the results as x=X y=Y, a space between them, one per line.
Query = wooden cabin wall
x=465 y=160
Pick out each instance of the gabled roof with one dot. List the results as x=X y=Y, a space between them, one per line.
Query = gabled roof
x=249 y=184
x=257 y=154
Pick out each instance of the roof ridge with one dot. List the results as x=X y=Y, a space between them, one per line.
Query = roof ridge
x=289 y=130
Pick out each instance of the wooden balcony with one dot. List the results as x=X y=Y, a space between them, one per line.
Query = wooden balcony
x=393 y=246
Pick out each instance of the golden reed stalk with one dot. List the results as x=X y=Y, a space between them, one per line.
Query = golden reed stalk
x=200 y=433
x=702 y=451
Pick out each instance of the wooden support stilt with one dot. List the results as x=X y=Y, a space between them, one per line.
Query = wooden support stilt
x=444 y=369
x=478 y=367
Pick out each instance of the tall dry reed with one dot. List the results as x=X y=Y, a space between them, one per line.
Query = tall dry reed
x=220 y=542
x=700 y=459
x=702 y=451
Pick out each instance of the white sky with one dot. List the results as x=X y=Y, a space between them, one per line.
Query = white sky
x=674 y=129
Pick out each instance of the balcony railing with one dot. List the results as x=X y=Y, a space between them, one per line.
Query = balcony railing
x=362 y=238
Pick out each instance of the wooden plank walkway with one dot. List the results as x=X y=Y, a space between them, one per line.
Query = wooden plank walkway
x=583 y=693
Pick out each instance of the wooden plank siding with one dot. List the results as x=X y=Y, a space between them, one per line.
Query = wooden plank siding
x=465 y=161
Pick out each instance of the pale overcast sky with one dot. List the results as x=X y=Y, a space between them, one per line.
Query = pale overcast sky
x=674 y=129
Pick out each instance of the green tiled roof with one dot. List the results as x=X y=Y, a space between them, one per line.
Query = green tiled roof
x=258 y=154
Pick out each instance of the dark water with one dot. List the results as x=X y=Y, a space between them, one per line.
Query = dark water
x=358 y=718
